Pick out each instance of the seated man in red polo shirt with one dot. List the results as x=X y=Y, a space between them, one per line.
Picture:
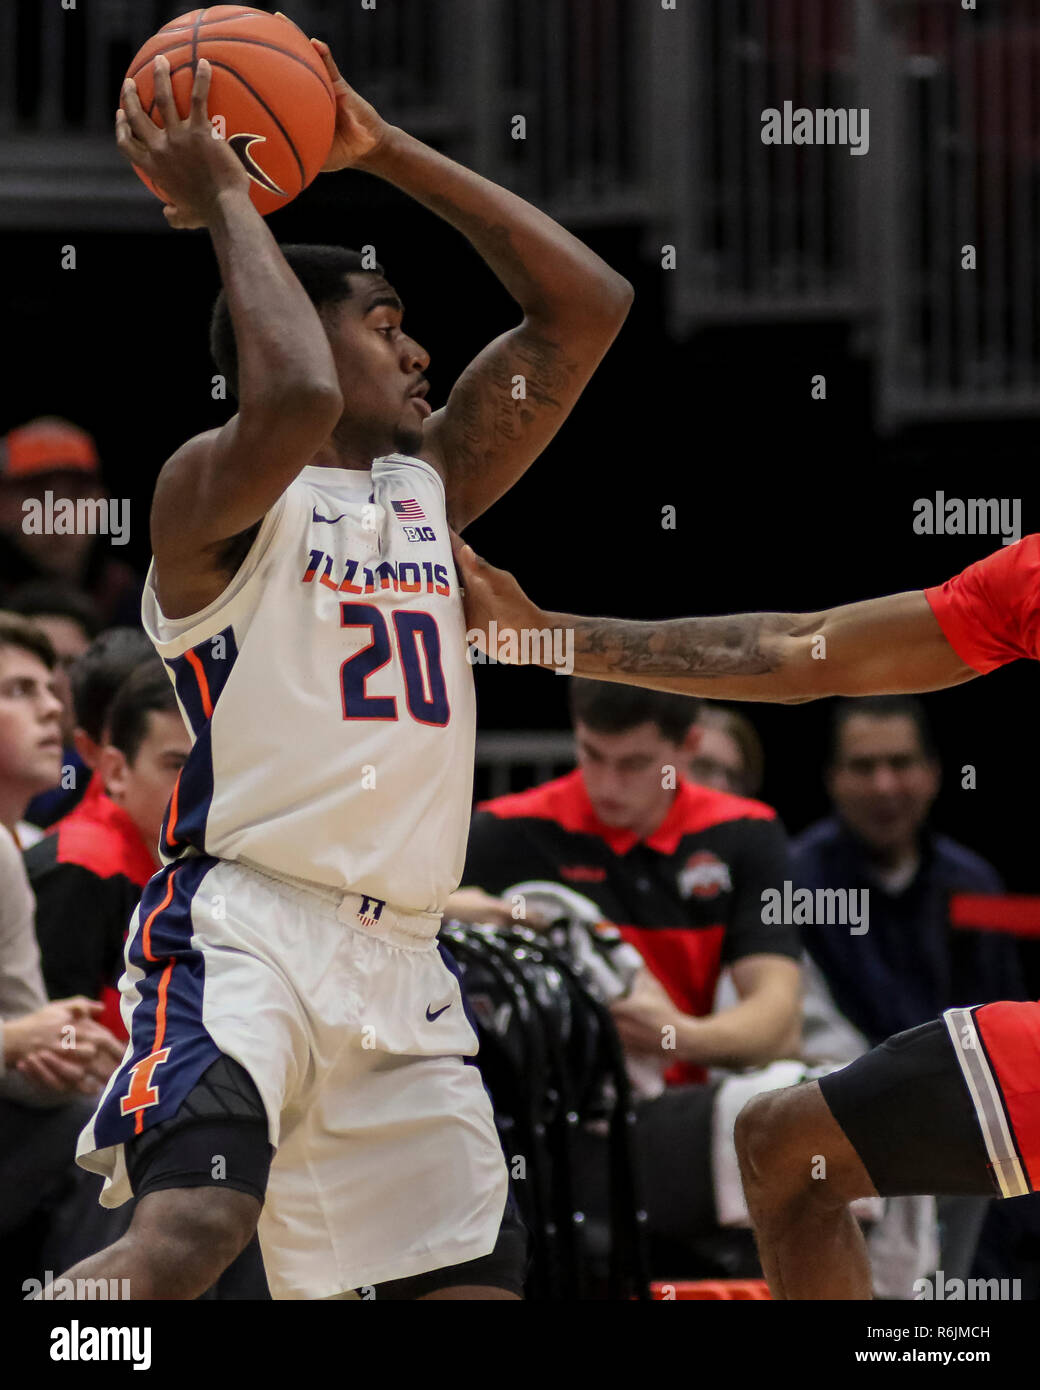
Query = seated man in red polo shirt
x=88 y=873
x=681 y=870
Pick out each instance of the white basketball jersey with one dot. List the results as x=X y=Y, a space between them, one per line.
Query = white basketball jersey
x=328 y=693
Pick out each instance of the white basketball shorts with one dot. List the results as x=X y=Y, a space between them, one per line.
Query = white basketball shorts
x=350 y=1020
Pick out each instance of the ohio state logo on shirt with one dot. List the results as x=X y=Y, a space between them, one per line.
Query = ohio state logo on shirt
x=704 y=875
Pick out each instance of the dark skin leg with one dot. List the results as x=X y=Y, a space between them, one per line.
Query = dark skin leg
x=179 y=1243
x=472 y=1292
x=810 y=1244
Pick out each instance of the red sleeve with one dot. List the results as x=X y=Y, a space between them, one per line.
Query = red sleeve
x=990 y=612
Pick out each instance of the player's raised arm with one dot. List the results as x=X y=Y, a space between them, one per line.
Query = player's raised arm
x=513 y=397
x=222 y=482
x=882 y=646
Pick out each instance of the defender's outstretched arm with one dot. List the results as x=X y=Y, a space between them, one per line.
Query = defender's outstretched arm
x=883 y=646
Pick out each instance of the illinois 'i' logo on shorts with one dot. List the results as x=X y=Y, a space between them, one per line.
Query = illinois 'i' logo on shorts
x=370 y=911
x=142 y=1093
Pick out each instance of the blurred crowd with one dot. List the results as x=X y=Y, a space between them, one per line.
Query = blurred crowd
x=658 y=832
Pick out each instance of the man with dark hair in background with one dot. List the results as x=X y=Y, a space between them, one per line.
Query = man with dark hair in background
x=97 y=677
x=71 y=621
x=723 y=750
x=883 y=776
x=680 y=870
x=94 y=679
x=88 y=874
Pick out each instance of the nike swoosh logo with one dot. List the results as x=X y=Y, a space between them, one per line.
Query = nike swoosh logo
x=330 y=519
x=240 y=144
x=431 y=1017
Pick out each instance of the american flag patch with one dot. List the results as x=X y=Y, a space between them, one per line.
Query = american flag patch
x=409 y=510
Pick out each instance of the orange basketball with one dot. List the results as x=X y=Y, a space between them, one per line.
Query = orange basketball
x=268 y=84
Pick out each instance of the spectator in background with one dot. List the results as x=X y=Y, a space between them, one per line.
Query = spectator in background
x=50 y=455
x=882 y=776
x=94 y=679
x=680 y=869
x=30 y=721
x=88 y=874
x=71 y=622
x=42 y=1078
x=723 y=750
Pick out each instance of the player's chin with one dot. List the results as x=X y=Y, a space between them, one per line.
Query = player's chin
x=408 y=437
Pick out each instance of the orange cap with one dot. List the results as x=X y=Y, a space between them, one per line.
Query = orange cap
x=47 y=445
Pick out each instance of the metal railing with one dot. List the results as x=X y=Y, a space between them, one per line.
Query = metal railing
x=631 y=113
x=957 y=177
x=765 y=230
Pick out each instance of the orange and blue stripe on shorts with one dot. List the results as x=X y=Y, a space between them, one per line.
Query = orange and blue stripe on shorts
x=171 y=1047
x=200 y=675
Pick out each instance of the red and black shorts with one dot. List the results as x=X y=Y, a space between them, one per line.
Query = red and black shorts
x=951 y=1107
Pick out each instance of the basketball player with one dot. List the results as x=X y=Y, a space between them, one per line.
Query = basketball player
x=298 y=1045
x=949 y=1108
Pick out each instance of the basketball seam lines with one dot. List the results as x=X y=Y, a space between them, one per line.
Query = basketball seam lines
x=227 y=19
x=189 y=30
x=285 y=134
x=227 y=38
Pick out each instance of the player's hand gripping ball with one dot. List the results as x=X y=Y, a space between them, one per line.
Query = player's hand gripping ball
x=270 y=97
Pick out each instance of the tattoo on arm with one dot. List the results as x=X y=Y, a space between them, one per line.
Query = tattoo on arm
x=685 y=646
x=487 y=422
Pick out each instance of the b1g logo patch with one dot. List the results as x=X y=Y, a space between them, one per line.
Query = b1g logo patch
x=704 y=875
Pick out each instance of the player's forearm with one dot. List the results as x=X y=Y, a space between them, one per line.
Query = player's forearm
x=751 y=656
x=751 y=1034
x=283 y=351
x=884 y=646
x=548 y=271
